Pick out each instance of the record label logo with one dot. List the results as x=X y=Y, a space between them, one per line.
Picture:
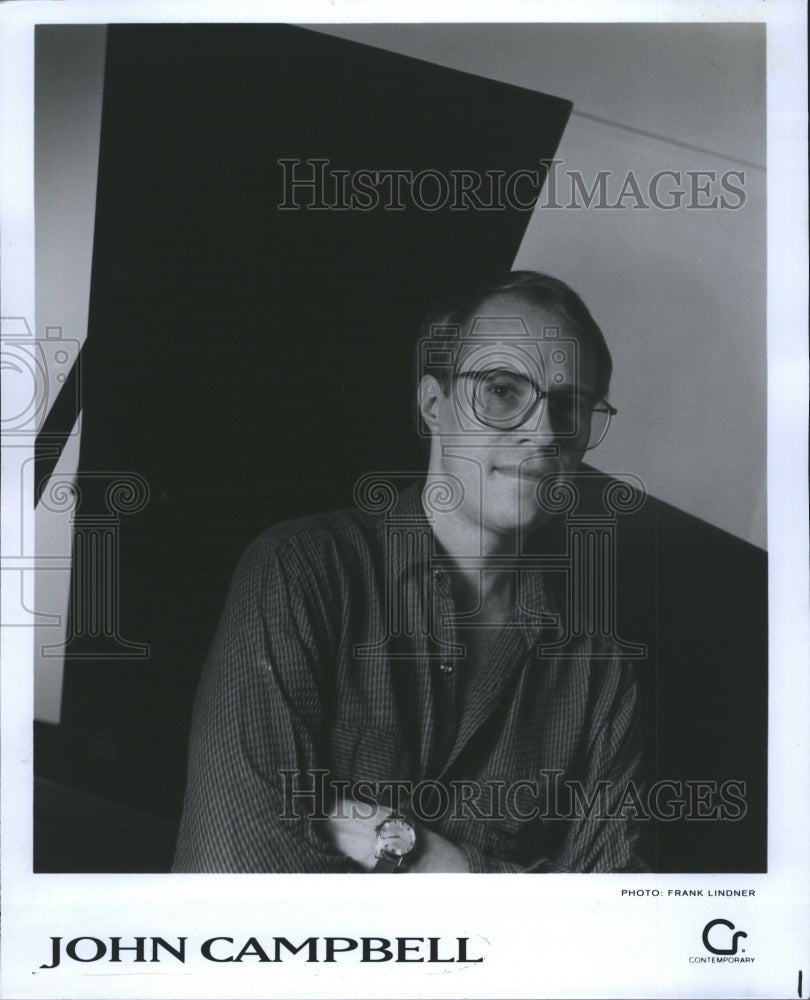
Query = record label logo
x=718 y=937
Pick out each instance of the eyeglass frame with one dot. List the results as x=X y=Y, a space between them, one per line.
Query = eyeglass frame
x=540 y=395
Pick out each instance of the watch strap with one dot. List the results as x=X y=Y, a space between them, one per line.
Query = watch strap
x=387 y=863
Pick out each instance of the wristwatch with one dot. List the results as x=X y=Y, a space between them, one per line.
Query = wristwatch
x=396 y=841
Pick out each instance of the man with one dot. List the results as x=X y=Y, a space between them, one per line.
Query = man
x=383 y=692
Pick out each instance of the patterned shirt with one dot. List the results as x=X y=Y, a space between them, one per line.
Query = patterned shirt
x=337 y=660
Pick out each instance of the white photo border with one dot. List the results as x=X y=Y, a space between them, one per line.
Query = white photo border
x=536 y=938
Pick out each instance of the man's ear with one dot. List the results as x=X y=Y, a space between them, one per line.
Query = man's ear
x=430 y=395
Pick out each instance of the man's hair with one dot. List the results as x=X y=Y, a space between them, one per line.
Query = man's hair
x=443 y=330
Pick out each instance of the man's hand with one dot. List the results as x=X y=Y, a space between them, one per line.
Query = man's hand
x=435 y=853
x=354 y=833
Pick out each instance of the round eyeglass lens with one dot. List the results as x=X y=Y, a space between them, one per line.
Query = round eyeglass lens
x=599 y=423
x=503 y=399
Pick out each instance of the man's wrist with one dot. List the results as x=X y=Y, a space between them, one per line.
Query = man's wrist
x=397 y=843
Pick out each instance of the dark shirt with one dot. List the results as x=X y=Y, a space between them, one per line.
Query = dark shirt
x=336 y=659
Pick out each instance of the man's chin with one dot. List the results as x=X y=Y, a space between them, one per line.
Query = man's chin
x=518 y=501
x=517 y=519
x=533 y=518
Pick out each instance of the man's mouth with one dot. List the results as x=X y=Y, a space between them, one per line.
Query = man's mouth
x=534 y=470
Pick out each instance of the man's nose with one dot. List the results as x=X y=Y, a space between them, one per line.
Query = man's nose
x=539 y=430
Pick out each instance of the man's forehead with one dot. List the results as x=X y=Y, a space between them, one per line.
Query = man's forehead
x=513 y=333
x=512 y=314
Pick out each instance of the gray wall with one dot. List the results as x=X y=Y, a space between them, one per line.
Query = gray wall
x=69 y=81
x=680 y=294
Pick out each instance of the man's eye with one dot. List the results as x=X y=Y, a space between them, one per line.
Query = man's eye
x=500 y=390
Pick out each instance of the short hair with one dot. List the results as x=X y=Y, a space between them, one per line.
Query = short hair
x=457 y=307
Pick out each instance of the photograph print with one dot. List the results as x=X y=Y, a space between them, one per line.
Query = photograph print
x=400 y=479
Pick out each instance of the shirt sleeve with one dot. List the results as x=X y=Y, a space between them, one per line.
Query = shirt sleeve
x=613 y=837
x=256 y=729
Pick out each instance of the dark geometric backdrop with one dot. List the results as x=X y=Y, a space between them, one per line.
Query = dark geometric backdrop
x=251 y=363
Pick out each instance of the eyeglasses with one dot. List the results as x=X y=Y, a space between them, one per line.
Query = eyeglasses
x=504 y=400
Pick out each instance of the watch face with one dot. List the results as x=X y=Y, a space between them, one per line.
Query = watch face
x=396 y=837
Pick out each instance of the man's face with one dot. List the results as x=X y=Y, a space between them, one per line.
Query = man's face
x=488 y=432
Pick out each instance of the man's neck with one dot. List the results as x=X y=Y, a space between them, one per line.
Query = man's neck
x=472 y=548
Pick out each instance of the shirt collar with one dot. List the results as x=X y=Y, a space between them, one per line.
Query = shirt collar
x=406 y=533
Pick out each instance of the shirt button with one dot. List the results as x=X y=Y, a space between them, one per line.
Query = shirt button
x=446 y=668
